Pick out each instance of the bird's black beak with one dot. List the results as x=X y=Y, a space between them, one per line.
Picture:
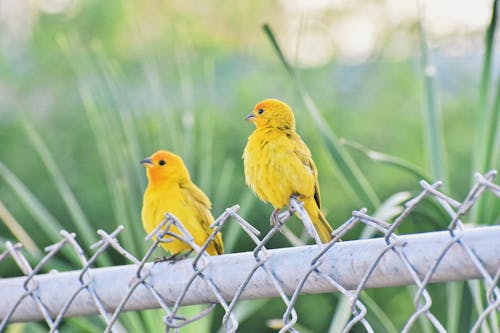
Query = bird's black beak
x=250 y=116
x=147 y=161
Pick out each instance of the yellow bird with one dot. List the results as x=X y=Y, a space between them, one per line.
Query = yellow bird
x=171 y=190
x=278 y=164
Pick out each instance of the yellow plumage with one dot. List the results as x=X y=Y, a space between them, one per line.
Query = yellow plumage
x=171 y=190
x=278 y=163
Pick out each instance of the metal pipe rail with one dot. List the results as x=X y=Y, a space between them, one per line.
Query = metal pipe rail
x=346 y=262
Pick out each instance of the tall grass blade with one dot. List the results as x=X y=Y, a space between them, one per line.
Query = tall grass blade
x=83 y=227
x=83 y=325
x=487 y=134
x=277 y=324
x=153 y=320
x=26 y=327
x=486 y=209
x=188 y=98
x=244 y=310
x=18 y=231
x=432 y=121
x=391 y=207
x=111 y=170
x=220 y=197
x=387 y=159
x=454 y=293
x=131 y=322
x=383 y=319
x=494 y=322
x=351 y=175
x=200 y=326
x=205 y=160
x=121 y=110
x=341 y=315
x=480 y=150
x=47 y=223
x=272 y=38
x=166 y=132
x=476 y=292
x=425 y=325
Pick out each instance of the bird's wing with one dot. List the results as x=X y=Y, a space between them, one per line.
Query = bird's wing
x=202 y=205
x=304 y=155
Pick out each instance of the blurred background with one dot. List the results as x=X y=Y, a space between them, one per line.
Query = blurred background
x=407 y=90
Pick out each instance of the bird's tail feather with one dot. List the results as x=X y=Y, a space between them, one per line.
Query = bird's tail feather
x=319 y=221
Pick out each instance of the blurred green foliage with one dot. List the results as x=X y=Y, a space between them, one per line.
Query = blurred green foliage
x=100 y=86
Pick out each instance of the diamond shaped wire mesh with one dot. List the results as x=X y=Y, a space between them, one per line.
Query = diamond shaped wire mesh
x=458 y=253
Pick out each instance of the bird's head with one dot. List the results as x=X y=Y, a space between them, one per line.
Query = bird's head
x=272 y=113
x=165 y=166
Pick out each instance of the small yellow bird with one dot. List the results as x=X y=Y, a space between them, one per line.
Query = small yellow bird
x=278 y=164
x=171 y=190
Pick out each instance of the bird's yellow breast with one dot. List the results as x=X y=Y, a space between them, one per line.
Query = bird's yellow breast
x=159 y=200
x=273 y=170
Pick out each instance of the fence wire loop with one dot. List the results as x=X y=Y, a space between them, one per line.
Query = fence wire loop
x=316 y=269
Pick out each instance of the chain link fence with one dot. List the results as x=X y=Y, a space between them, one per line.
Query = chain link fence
x=455 y=254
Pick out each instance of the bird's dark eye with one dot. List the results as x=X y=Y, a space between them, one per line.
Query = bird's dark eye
x=162 y=162
x=261 y=111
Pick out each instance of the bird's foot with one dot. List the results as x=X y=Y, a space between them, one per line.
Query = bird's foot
x=173 y=258
x=275 y=220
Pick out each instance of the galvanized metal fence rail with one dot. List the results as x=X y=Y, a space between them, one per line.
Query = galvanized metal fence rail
x=457 y=253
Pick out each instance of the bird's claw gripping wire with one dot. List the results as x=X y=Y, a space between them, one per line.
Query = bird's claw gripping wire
x=277 y=219
x=173 y=258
